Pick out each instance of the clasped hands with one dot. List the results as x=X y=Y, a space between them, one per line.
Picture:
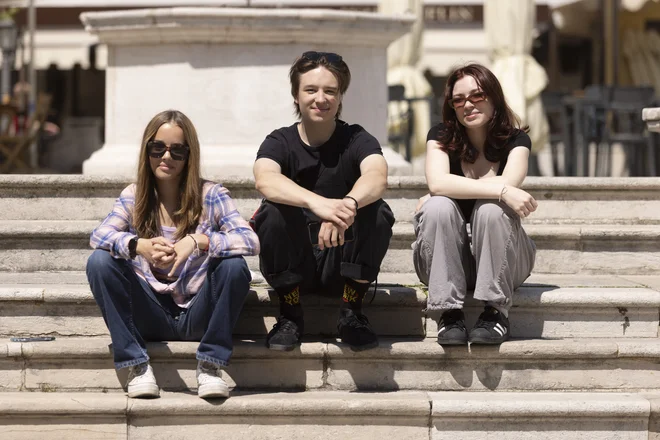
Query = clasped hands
x=162 y=253
x=517 y=199
x=337 y=215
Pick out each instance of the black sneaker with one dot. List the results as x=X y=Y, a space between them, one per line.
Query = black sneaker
x=492 y=327
x=451 y=328
x=285 y=335
x=354 y=330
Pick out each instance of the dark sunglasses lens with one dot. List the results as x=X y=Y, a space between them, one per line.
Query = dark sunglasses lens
x=457 y=102
x=312 y=56
x=156 y=149
x=332 y=58
x=477 y=97
x=178 y=152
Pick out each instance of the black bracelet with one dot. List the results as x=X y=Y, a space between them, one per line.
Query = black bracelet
x=357 y=205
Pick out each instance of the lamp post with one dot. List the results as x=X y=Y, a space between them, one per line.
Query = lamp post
x=8 y=41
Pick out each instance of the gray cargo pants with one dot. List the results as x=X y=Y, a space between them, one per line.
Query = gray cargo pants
x=502 y=254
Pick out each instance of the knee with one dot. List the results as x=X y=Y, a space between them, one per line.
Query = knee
x=98 y=263
x=272 y=216
x=377 y=217
x=438 y=209
x=232 y=268
x=487 y=211
x=384 y=216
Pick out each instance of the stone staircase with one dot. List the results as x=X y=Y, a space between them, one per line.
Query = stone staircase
x=583 y=363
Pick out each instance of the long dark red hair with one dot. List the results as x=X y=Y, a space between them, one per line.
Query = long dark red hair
x=503 y=125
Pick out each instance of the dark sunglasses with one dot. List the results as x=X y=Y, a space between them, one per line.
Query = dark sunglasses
x=157 y=149
x=460 y=101
x=330 y=57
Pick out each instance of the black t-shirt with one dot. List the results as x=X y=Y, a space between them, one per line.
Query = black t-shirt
x=329 y=170
x=519 y=139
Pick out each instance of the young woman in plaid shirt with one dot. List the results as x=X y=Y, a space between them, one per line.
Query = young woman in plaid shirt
x=168 y=263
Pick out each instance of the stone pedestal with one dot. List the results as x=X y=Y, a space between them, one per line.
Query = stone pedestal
x=227 y=69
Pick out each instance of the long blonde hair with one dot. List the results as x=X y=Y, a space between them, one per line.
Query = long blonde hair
x=146 y=216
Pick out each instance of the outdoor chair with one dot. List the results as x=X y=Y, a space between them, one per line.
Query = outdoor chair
x=7 y=117
x=624 y=124
x=594 y=122
x=558 y=120
x=13 y=147
x=608 y=115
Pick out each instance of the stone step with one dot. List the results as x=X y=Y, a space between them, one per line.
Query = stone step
x=562 y=200
x=39 y=304
x=85 y=364
x=543 y=416
x=331 y=416
x=37 y=245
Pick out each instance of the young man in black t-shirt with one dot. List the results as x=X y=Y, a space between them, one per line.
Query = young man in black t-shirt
x=323 y=226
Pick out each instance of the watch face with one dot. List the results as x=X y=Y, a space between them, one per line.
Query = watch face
x=132 y=247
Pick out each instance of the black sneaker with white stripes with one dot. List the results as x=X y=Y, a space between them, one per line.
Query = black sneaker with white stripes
x=451 y=328
x=492 y=327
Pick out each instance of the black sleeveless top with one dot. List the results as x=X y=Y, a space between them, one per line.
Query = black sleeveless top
x=519 y=139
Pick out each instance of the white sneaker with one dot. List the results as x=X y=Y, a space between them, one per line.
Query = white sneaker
x=141 y=381
x=209 y=382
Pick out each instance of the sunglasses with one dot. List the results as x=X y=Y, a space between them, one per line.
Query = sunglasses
x=330 y=57
x=459 y=101
x=157 y=149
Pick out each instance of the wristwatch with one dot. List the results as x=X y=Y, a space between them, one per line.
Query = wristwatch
x=132 y=248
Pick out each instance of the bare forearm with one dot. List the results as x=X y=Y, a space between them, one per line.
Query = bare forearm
x=458 y=187
x=278 y=188
x=368 y=188
x=503 y=180
x=202 y=241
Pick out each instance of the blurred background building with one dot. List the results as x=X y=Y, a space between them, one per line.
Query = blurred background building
x=586 y=60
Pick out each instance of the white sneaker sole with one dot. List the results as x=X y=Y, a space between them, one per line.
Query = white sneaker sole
x=144 y=390
x=211 y=390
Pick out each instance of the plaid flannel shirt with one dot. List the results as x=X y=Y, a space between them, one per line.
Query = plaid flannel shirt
x=229 y=235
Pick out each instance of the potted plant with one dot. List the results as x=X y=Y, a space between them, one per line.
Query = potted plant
x=7 y=13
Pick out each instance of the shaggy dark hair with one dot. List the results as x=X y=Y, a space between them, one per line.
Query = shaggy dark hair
x=303 y=65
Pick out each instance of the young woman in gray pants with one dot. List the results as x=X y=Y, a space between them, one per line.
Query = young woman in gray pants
x=468 y=229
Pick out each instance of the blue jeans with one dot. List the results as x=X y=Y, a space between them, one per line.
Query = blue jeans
x=135 y=314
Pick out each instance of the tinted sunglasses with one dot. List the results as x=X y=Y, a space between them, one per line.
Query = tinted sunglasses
x=330 y=57
x=460 y=101
x=157 y=149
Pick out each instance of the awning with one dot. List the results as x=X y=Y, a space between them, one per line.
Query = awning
x=629 y=5
x=63 y=47
x=509 y=27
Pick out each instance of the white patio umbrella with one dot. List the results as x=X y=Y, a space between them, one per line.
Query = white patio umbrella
x=509 y=27
x=402 y=58
x=580 y=17
x=635 y=58
x=652 y=43
x=635 y=5
x=641 y=51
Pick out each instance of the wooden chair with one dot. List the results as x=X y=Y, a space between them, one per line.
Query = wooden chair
x=7 y=117
x=12 y=148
